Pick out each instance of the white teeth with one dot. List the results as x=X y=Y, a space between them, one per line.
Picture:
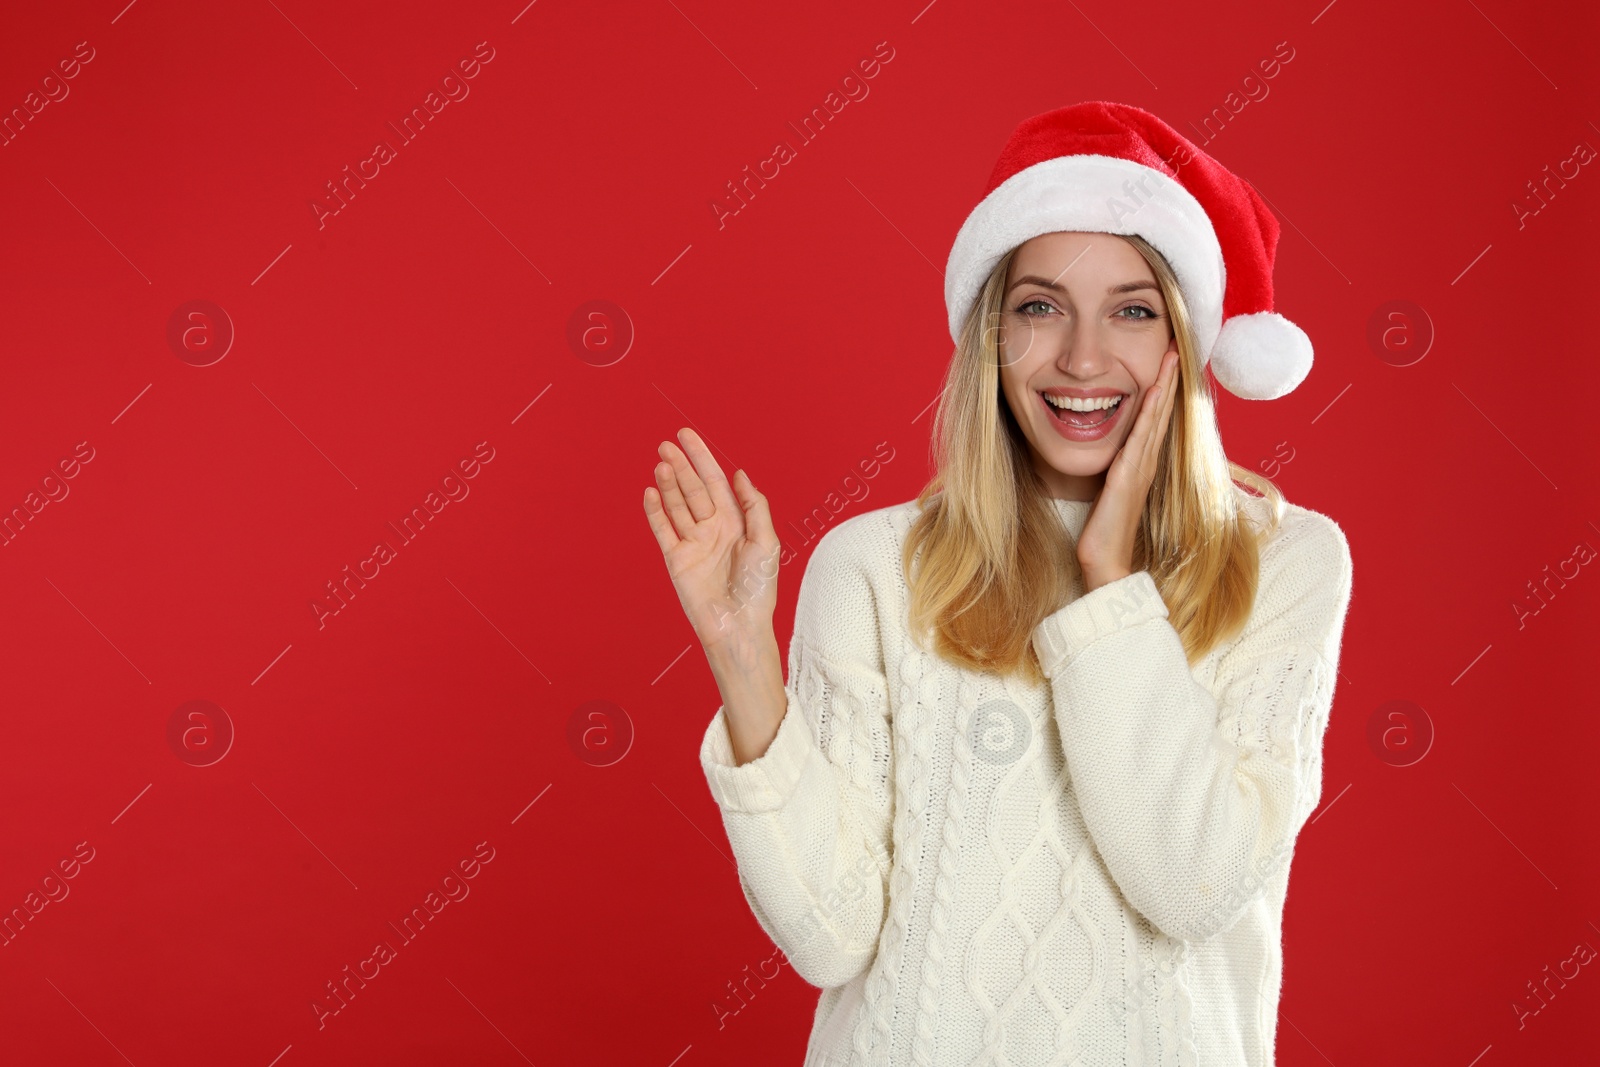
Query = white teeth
x=1072 y=403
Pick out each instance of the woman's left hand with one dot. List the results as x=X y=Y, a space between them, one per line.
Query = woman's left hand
x=1105 y=548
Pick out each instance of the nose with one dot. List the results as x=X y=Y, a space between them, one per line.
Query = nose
x=1080 y=353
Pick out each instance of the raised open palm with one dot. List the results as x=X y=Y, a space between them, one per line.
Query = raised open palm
x=721 y=549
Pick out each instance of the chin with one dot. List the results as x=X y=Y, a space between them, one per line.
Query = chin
x=1081 y=460
x=1090 y=470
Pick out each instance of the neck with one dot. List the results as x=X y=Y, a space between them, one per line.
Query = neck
x=1069 y=486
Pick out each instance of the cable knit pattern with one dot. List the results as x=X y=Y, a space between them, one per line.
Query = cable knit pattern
x=944 y=886
x=1089 y=871
x=873 y=1028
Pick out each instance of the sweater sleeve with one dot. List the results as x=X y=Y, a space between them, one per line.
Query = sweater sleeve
x=1194 y=797
x=810 y=819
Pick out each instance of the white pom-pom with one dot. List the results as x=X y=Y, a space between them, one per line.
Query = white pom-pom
x=1261 y=356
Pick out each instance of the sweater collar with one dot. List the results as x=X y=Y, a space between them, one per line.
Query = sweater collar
x=1074 y=513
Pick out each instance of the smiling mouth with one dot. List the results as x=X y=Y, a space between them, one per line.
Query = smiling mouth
x=1085 y=420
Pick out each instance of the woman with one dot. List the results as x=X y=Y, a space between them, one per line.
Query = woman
x=1051 y=728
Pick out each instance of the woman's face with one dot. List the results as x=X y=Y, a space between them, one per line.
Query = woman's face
x=1082 y=317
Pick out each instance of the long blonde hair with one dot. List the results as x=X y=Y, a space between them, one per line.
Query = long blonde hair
x=996 y=559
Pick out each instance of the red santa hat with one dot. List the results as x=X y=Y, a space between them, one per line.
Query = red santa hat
x=1103 y=167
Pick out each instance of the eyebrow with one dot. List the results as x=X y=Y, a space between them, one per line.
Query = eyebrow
x=1034 y=279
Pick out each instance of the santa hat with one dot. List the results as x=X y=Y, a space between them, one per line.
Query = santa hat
x=1103 y=167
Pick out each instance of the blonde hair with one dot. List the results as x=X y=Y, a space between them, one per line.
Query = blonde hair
x=995 y=557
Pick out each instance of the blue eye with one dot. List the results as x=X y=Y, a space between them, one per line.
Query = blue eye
x=1022 y=307
x=1148 y=314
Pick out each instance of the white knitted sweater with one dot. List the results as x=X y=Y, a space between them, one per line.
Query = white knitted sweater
x=1090 y=871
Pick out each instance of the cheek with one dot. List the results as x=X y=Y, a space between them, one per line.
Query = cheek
x=1020 y=346
x=1020 y=400
x=1145 y=367
x=1012 y=384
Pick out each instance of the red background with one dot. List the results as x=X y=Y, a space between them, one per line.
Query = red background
x=373 y=353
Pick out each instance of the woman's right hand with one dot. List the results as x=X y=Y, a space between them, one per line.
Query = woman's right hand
x=721 y=550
